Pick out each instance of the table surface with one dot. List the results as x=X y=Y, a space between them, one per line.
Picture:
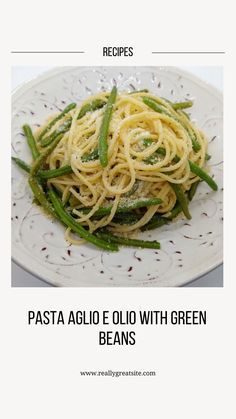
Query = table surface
x=21 y=74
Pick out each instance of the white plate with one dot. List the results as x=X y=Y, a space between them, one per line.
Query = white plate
x=189 y=249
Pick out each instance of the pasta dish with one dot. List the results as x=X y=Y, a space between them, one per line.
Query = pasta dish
x=118 y=164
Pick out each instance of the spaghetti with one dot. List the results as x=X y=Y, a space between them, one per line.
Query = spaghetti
x=154 y=158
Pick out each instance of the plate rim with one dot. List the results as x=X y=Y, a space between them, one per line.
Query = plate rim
x=58 y=285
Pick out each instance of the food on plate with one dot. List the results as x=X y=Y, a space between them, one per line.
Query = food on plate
x=116 y=165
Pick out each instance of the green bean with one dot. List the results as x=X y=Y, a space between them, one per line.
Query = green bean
x=195 y=144
x=92 y=106
x=40 y=196
x=67 y=198
x=127 y=218
x=159 y=152
x=159 y=108
x=203 y=175
x=31 y=141
x=183 y=201
x=102 y=141
x=139 y=91
x=154 y=158
x=193 y=190
x=182 y=105
x=128 y=205
x=159 y=220
x=44 y=174
x=125 y=206
x=75 y=226
x=21 y=164
x=90 y=156
x=53 y=173
x=155 y=106
x=147 y=142
x=43 y=156
x=26 y=167
x=57 y=118
x=179 y=105
x=174 y=212
x=107 y=235
x=62 y=129
x=132 y=190
x=155 y=222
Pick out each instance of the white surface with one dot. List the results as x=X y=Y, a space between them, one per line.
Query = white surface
x=21 y=74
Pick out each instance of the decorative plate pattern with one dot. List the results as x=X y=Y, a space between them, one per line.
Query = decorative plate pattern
x=188 y=248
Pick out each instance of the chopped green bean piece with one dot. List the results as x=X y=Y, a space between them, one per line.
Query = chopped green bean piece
x=31 y=141
x=40 y=196
x=181 y=199
x=91 y=106
x=182 y=105
x=138 y=91
x=132 y=190
x=107 y=235
x=53 y=173
x=193 y=190
x=44 y=174
x=90 y=156
x=203 y=175
x=57 y=118
x=62 y=129
x=21 y=164
x=102 y=141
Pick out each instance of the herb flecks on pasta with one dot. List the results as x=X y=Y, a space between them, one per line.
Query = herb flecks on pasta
x=116 y=165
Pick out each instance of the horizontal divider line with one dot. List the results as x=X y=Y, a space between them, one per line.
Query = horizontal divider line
x=188 y=52
x=47 y=52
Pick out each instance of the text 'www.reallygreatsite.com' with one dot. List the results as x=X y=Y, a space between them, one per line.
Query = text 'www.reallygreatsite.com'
x=111 y=373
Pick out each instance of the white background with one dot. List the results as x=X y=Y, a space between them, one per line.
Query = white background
x=22 y=74
x=40 y=366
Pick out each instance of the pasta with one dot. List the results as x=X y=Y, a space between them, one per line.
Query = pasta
x=133 y=162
